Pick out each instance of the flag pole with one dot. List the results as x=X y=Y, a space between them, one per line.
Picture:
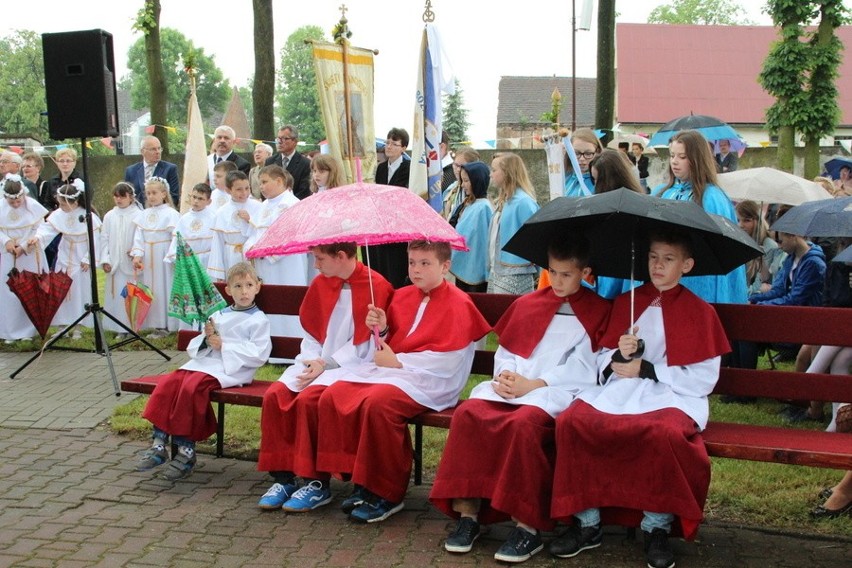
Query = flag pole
x=341 y=33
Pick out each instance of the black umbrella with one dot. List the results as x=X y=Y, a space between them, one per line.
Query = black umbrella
x=824 y=218
x=617 y=224
x=709 y=126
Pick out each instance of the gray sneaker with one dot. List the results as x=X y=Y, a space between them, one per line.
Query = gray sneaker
x=152 y=457
x=180 y=467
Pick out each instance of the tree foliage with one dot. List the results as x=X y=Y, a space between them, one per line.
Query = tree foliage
x=297 y=98
x=22 y=95
x=454 y=121
x=707 y=12
x=801 y=72
x=212 y=89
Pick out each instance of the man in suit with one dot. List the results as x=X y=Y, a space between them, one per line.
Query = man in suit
x=727 y=161
x=391 y=261
x=288 y=158
x=224 y=139
x=152 y=166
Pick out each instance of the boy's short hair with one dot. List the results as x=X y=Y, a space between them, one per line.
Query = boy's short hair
x=673 y=237
x=442 y=250
x=225 y=166
x=399 y=135
x=350 y=249
x=203 y=188
x=574 y=247
x=234 y=176
x=242 y=269
x=277 y=172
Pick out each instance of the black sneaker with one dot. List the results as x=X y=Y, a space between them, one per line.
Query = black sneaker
x=463 y=536
x=353 y=501
x=658 y=553
x=519 y=547
x=576 y=540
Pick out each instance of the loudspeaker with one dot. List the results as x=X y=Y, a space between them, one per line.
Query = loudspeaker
x=79 y=79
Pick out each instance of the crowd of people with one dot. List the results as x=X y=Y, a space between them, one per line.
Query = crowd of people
x=571 y=375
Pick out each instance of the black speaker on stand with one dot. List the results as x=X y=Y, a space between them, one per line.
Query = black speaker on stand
x=79 y=79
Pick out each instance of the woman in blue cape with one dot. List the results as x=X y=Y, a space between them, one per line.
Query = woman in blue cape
x=692 y=175
x=472 y=218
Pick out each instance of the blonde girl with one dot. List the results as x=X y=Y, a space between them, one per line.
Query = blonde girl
x=326 y=173
x=510 y=274
x=152 y=235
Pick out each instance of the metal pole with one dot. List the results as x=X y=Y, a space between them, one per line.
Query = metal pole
x=573 y=65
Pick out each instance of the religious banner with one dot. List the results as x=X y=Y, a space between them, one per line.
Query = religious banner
x=426 y=170
x=195 y=154
x=555 y=165
x=345 y=85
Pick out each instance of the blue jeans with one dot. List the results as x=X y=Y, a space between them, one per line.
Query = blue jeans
x=651 y=520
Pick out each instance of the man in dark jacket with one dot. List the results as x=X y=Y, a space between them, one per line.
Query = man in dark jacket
x=288 y=158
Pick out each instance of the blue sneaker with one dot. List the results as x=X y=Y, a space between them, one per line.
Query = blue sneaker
x=375 y=512
x=276 y=496
x=313 y=495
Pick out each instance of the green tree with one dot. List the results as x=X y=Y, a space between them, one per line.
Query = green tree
x=605 y=91
x=22 y=98
x=148 y=22
x=263 y=92
x=800 y=72
x=298 y=101
x=454 y=121
x=213 y=90
x=707 y=12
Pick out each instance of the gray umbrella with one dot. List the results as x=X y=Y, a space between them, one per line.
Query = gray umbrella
x=827 y=218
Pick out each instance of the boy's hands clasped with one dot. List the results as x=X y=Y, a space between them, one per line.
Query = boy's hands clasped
x=509 y=385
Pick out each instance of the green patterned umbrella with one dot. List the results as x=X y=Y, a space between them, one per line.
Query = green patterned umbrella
x=193 y=297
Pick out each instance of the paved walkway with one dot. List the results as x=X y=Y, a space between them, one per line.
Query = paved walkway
x=69 y=498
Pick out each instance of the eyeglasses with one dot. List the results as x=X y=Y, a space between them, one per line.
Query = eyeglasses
x=28 y=166
x=587 y=155
x=392 y=143
x=66 y=161
x=284 y=138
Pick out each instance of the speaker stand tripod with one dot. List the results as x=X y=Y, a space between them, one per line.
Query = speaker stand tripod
x=93 y=309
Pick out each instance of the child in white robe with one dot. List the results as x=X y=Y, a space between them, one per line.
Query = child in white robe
x=232 y=228
x=196 y=225
x=276 y=185
x=20 y=218
x=234 y=343
x=221 y=194
x=116 y=242
x=154 y=228
x=73 y=254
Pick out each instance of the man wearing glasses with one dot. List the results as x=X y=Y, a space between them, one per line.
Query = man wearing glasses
x=152 y=166
x=288 y=158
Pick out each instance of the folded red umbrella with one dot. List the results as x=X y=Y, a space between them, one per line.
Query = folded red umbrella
x=40 y=294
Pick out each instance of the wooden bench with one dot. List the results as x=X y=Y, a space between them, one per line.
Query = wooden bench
x=817 y=326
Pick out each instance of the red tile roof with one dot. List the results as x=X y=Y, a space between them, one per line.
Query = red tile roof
x=666 y=71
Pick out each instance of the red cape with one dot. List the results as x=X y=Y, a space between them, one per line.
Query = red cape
x=450 y=321
x=693 y=330
x=523 y=325
x=324 y=292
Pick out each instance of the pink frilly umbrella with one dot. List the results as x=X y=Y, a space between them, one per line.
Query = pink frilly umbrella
x=364 y=213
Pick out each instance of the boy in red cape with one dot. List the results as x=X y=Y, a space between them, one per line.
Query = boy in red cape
x=431 y=328
x=633 y=445
x=498 y=460
x=332 y=314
